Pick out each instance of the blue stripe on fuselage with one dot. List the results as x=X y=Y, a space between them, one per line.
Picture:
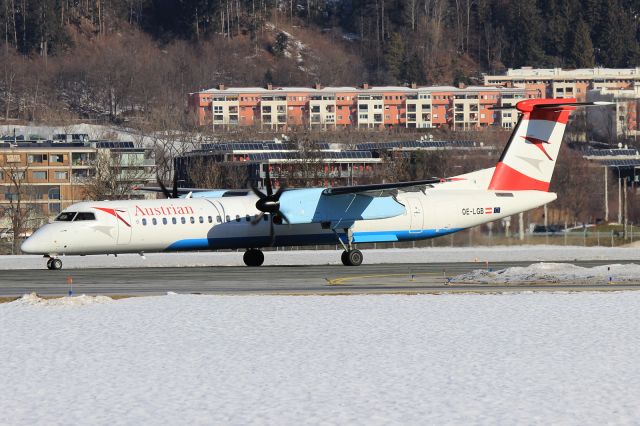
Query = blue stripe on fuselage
x=306 y=239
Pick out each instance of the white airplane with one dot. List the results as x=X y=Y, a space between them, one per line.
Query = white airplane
x=403 y=211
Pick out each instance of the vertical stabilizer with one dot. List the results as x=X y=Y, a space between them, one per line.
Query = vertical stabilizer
x=530 y=156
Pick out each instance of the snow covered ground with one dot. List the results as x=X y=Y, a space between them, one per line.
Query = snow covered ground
x=553 y=273
x=528 y=358
x=535 y=253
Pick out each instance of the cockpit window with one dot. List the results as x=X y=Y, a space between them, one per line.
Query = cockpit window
x=66 y=216
x=85 y=216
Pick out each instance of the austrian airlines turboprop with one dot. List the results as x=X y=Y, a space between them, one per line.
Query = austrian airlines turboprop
x=403 y=211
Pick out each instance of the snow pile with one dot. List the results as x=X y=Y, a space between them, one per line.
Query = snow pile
x=34 y=300
x=452 y=359
x=538 y=253
x=552 y=273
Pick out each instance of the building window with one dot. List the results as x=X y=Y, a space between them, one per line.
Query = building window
x=37 y=158
x=61 y=175
x=39 y=175
x=56 y=158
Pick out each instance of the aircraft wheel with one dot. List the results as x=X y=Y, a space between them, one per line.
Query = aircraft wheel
x=253 y=257
x=352 y=258
x=49 y=261
x=56 y=264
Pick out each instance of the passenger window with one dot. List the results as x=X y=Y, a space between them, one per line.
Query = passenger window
x=237 y=218
x=164 y=220
x=201 y=219
x=65 y=217
x=266 y=217
x=210 y=219
x=85 y=216
x=248 y=218
x=154 y=221
x=183 y=220
x=173 y=220
x=218 y=219
x=228 y=218
x=192 y=219
x=144 y=222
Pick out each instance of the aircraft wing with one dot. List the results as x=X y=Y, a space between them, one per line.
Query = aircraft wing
x=379 y=189
x=341 y=206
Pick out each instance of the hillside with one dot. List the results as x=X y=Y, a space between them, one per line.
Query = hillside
x=115 y=60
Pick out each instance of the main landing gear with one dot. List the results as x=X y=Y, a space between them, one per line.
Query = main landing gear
x=54 y=264
x=253 y=257
x=351 y=257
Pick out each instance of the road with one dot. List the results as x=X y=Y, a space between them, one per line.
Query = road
x=320 y=279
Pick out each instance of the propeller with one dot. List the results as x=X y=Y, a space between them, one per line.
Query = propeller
x=269 y=203
x=165 y=191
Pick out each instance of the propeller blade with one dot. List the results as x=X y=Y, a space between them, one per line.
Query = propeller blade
x=164 y=189
x=257 y=219
x=256 y=191
x=175 y=185
x=279 y=192
x=272 y=231
x=284 y=217
x=269 y=187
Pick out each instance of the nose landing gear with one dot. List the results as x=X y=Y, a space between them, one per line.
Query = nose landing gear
x=54 y=264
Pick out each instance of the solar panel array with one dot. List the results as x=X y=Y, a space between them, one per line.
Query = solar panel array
x=611 y=152
x=620 y=163
x=46 y=144
x=257 y=146
x=116 y=145
x=351 y=155
x=415 y=144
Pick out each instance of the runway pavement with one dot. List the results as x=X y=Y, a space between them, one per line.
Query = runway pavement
x=319 y=279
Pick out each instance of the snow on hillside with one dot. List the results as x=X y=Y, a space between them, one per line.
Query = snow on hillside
x=453 y=359
x=324 y=257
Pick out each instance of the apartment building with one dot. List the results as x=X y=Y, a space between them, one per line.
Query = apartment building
x=559 y=83
x=620 y=120
x=52 y=175
x=366 y=107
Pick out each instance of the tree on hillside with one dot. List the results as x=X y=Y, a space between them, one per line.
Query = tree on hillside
x=580 y=52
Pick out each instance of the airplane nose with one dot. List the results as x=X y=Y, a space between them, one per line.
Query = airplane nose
x=32 y=246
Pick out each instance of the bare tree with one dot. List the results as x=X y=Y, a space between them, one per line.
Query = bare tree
x=115 y=176
x=18 y=193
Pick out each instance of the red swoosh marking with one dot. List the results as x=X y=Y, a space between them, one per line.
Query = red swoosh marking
x=538 y=143
x=114 y=213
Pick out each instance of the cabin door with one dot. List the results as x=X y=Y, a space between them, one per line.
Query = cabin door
x=416 y=218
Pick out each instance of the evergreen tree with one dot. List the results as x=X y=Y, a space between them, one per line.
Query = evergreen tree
x=394 y=55
x=413 y=70
x=524 y=31
x=580 y=52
